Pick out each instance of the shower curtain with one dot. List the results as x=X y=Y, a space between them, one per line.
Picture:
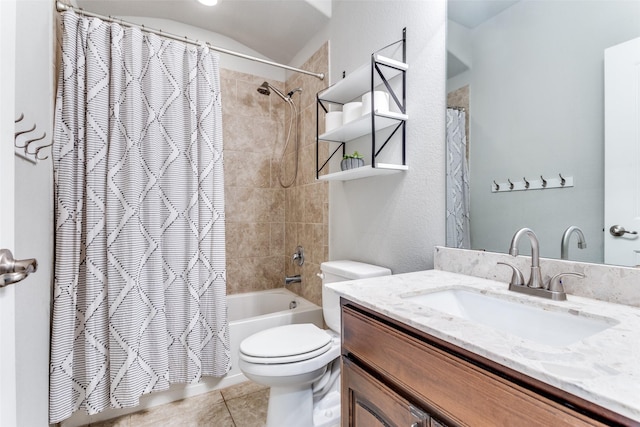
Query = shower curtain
x=458 y=230
x=140 y=287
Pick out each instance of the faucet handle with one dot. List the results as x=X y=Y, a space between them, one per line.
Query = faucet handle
x=516 y=278
x=555 y=284
x=298 y=256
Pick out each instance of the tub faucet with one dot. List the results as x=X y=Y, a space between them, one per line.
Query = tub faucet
x=582 y=243
x=535 y=279
x=292 y=279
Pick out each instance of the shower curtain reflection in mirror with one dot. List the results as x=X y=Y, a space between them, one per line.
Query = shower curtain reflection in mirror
x=140 y=283
x=458 y=231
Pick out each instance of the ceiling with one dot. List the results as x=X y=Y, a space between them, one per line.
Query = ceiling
x=471 y=13
x=277 y=29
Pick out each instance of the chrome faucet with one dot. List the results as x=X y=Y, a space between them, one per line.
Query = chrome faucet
x=582 y=243
x=292 y=279
x=535 y=279
x=553 y=290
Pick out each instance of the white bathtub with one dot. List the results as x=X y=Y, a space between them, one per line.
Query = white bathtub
x=248 y=313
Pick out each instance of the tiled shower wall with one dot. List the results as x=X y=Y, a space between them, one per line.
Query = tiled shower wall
x=306 y=207
x=266 y=222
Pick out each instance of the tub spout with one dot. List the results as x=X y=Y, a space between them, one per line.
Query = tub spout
x=292 y=279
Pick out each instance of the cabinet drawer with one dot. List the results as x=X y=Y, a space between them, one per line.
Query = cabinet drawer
x=464 y=393
x=367 y=402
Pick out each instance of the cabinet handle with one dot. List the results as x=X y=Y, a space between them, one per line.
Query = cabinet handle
x=418 y=413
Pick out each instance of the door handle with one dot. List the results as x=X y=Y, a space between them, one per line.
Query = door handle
x=618 y=230
x=12 y=270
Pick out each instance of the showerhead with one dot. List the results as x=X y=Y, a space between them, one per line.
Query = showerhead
x=265 y=89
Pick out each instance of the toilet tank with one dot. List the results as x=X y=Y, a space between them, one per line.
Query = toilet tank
x=340 y=271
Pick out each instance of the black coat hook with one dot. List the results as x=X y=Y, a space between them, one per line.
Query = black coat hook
x=17 y=134
x=26 y=144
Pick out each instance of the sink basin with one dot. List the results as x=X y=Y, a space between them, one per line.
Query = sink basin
x=555 y=328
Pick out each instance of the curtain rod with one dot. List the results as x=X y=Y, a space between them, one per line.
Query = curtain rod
x=61 y=7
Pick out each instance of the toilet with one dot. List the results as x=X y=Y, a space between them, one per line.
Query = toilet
x=300 y=362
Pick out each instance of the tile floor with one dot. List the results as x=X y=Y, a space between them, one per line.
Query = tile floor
x=242 y=405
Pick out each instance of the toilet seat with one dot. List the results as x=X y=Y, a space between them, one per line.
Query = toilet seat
x=285 y=344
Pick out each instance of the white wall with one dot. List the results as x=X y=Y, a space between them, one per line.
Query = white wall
x=396 y=220
x=8 y=378
x=537 y=108
x=34 y=209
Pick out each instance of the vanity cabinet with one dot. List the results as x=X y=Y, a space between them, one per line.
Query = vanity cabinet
x=378 y=73
x=396 y=375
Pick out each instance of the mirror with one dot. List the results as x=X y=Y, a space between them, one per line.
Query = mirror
x=530 y=77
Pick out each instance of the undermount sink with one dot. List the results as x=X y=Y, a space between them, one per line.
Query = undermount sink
x=555 y=328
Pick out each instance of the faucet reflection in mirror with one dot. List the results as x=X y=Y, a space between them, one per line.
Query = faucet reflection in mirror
x=564 y=245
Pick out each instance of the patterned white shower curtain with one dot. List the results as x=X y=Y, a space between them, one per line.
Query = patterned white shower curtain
x=458 y=230
x=139 y=293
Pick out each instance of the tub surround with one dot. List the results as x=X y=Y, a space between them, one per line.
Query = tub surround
x=601 y=369
x=615 y=284
x=265 y=222
x=306 y=201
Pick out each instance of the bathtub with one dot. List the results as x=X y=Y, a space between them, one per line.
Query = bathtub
x=248 y=313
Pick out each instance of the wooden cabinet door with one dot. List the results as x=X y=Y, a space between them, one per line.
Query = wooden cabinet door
x=366 y=402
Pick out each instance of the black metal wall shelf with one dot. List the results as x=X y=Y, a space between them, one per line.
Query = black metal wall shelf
x=378 y=73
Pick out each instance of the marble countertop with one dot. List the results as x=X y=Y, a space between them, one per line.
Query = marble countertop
x=603 y=368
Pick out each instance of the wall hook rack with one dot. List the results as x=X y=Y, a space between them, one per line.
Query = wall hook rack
x=532 y=184
x=25 y=148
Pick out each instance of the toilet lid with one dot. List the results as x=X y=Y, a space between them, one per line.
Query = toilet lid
x=285 y=344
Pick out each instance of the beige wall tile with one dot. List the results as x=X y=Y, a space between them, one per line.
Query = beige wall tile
x=277 y=239
x=254 y=274
x=248 y=239
x=265 y=222
x=306 y=205
x=255 y=134
x=252 y=130
x=247 y=169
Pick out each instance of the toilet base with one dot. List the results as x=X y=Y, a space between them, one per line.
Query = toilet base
x=290 y=406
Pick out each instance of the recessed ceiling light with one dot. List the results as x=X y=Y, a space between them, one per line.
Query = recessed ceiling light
x=209 y=2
